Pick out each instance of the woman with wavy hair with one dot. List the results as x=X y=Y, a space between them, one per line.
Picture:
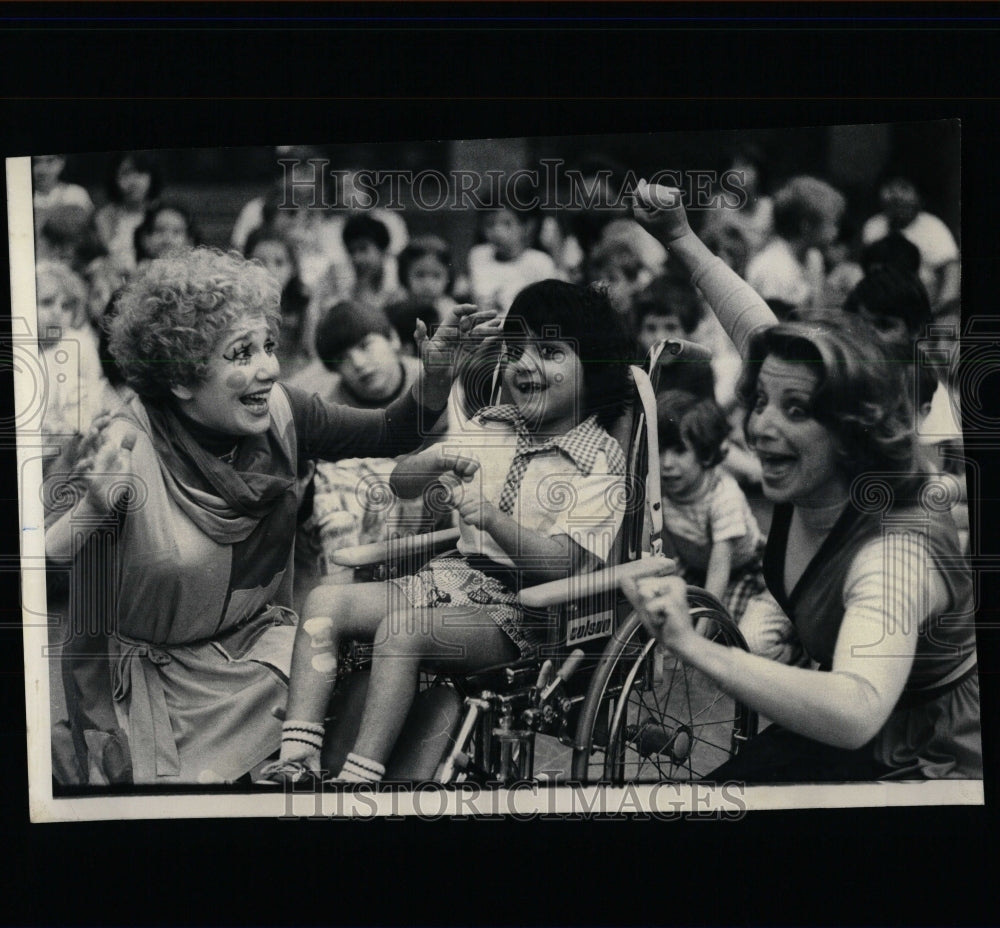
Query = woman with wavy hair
x=194 y=561
x=862 y=554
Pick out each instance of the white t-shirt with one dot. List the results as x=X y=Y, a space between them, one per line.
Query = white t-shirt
x=575 y=491
x=721 y=513
x=501 y=281
x=933 y=238
x=776 y=274
x=60 y=195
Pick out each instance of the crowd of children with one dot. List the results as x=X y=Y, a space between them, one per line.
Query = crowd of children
x=355 y=288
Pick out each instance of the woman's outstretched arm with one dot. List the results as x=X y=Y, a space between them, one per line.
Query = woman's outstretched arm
x=845 y=707
x=738 y=307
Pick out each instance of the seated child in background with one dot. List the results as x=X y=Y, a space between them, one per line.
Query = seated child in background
x=275 y=251
x=77 y=392
x=730 y=244
x=50 y=191
x=663 y=311
x=895 y=250
x=134 y=183
x=70 y=237
x=427 y=274
x=842 y=271
x=671 y=308
x=506 y=263
x=360 y=365
x=168 y=226
x=367 y=242
x=500 y=473
x=617 y=266
x=707 y=518
x=788 y=271
x=898 y=308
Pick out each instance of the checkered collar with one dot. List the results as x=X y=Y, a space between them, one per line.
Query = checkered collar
x=581 y=444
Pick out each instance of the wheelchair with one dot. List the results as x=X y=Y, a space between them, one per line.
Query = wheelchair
x=601 y=692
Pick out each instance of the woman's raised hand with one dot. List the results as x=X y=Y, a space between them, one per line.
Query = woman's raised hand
x=662 y=210
x=461 y=333
x=108 y=478
x=662 y=605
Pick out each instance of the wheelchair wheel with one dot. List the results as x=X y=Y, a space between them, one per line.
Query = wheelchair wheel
x=649 y=718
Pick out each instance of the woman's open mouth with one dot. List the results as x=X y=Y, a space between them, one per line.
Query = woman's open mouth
x=775 y=467
x=256 y=402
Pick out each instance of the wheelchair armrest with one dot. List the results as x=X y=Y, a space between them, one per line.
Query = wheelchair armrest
x=406 y=546
x=583 y=586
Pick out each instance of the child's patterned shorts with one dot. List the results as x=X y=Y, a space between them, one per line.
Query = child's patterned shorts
x=448 y=580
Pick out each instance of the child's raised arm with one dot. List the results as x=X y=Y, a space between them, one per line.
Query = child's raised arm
x=735 y=303
x=720 y=565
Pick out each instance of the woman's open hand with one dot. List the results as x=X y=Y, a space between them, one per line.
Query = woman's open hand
x=110 y=476
x=662 y=605
x=458 y=336
x=662 y=210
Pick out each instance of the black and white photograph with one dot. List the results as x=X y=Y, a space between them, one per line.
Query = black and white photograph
x=561 y=475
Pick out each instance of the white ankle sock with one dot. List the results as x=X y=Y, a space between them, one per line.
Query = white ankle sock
x=358 y=769
x=302 y=740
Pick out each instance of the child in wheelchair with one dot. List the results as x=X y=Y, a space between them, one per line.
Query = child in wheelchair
x=538 y=484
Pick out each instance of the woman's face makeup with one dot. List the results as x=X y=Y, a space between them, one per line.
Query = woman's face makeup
x=234 y=397
x=798 y=455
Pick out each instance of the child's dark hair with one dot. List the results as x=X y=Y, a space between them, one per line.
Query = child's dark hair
x=404 y=315
x=669 y=295
x=894 y=250
x=366 y=228
x=584 y=317
x=684 y=420
x=72 y=227
x=267 y=233
x=343 y=326
x=426 y=246
x=891 y=292
x=143 y=162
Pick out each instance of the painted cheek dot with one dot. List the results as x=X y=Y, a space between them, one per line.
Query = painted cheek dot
x=237 y=381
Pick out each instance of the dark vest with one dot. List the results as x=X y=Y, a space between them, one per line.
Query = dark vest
x=816 y=604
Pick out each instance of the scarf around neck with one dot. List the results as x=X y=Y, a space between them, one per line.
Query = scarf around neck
x=226 y=501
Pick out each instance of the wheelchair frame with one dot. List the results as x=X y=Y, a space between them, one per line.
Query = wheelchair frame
x=629 y=710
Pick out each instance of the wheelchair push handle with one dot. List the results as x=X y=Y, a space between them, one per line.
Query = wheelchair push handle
x=683 y=350
x=544 y=674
